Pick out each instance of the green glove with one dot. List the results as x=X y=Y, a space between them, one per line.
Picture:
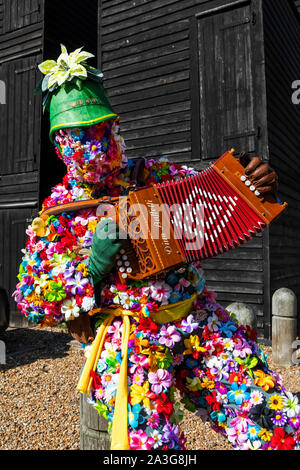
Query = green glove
x=105 y=246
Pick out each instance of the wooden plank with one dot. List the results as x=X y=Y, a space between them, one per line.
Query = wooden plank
x=145 y=38
x=147 y=55
x=153 y=92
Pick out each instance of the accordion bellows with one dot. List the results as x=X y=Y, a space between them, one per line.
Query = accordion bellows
x=192 y=219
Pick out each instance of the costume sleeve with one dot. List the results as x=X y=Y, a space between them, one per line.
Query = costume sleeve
x=55 y=284
x=158 y=171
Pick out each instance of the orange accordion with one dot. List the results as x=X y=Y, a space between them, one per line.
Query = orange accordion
x=177 y=222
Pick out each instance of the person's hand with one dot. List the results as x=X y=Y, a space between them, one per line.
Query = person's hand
x=261 y=175
x=105 y=246
x=80 y=329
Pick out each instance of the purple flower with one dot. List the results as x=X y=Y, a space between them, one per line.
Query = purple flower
x=295 y=422
x=279 y=418
x=76 y=286
x=69 y=272
x=95 y=147
x=189 y=325
x=161 y=380
x=169 y=336
x=170 y=435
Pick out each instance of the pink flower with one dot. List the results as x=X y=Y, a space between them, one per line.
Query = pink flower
x=39 y=246
x=153 y=420
x=139 y=440
x=160 y=291
x=169 y=336
x=138 y=360
x=115 y=328
x=161 y=380
x=138 y=377
x=236 y=437
x=241 y=422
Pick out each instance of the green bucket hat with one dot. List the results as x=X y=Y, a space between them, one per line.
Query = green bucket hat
x=73 y=92
x=73 y=107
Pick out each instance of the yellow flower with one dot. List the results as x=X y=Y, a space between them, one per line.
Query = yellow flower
x=154 y=355
x=276 y=402
x=193 y=384
x=209 y=384
x=265 y=435
x=82 y=267
x=193 y=344
x=92 y=225
x=263 y=380
x=138 y=394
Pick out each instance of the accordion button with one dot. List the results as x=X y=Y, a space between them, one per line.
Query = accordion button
x=119 y=263
x=124 y=276
x=129 y=270
x=257 y=193
x=127 y=263
x=243 y=178
x=122 y=270
x=252 y=188
x=122 y=252
x=124 y=257
x=248 y=183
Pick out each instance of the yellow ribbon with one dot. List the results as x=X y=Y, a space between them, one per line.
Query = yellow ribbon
x=165 y=314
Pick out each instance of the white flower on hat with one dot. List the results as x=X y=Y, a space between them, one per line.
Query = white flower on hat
x=65 y=68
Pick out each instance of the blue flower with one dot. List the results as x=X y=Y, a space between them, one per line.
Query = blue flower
x=101 y=366
x=186 y=296
x=227 y=328
x=68 y=151
x=133 y=415
x=218 y=415
x=77 y=134
x=253 y=432
x=238 y=393
x=172 y=279
x=191 y=363
x=175 y=297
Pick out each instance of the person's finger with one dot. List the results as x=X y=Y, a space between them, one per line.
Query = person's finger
x=265 y=189
x=261 y=171
x=255 y=162
x=266 y=180
x=244 y=159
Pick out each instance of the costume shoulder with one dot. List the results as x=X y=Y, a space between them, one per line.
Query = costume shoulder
x=54 y=280
x=158 y=171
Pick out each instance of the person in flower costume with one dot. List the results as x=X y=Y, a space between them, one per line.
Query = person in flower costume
x=159 y=335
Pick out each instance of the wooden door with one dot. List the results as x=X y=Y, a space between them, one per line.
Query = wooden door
x=229 y=109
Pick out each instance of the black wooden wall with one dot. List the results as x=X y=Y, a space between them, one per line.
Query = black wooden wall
x=30 y=31
x=282 y=46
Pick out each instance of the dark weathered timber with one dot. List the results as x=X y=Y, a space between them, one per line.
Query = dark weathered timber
x=30 y=31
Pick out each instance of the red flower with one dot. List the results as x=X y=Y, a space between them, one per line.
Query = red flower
x=236 y=377
x=163 y=405
x=68 y=240
x=282 y=441
x=146 y=324
x=121 y=287
x=63 y=221
x=206 y=333
x=89 y=290
x=212 y=401
x=96 y=380
x=79 y=230
x=79 y=300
